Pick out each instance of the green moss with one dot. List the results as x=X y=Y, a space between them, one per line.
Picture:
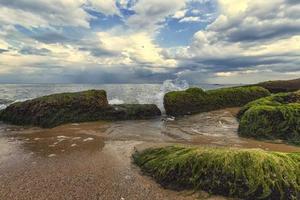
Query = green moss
x=281 y=86
x=241 y=173
x=195 y=91
x=273 y=117
x=133 y=112
x=56 y=109
x=195 y=100
x=92 y=105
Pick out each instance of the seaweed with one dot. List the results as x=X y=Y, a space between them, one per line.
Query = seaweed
x=239 y=173
x=273 y=117
x=53 y=110
x=195 y=100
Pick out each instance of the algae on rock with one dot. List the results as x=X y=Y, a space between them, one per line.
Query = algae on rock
x=273 y=117
x=56 y=109
x=242 y=173
x=195 y=100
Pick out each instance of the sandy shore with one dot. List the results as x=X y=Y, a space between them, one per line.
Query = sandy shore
x=93 y=160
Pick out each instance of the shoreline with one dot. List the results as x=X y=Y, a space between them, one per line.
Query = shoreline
x=93 y=160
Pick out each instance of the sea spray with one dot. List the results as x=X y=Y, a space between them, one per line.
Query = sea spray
x=167 y=86
x=116 y=101
x=4 y=103
x=2 y=106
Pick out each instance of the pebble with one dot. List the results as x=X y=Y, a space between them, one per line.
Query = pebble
x=62 y=137
x=88 y=139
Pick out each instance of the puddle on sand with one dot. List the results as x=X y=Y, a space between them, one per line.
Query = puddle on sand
x=217 y=128
x=51 y=145
x=51 y=142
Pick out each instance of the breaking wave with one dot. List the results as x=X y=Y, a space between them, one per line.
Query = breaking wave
x=167 y=86
x=116 y=101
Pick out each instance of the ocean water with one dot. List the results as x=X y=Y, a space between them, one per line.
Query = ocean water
x=117 y=93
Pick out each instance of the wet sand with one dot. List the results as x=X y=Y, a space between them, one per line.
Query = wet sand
x=93 y=160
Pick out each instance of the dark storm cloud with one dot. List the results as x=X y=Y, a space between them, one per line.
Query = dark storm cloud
x=34 y=51
x=28 y=5
x=254 y=33
x=98 y=52
x=241 y=62
x=293 y=2
x=97 y=74
x=260 y=22
x=119 y=75
x=3 y=50
x=49 y=38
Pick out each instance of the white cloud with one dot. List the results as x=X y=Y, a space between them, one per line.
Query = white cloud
x=107 y=7
x=151 y=13
x=180 y=14
x=32 y=13
x=133 y=49
x=190 y=19
x=248 y=37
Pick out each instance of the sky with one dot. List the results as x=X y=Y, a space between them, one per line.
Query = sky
x=149 y=41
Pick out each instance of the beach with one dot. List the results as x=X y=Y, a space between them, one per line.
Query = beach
x=93 y=160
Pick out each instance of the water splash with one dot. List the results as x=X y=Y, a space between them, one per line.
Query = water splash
x=2 y=106
x=116 y=101
x=4 y=103
x=167 y=86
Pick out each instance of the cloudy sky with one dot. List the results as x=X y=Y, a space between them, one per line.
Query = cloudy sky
x=148 y=41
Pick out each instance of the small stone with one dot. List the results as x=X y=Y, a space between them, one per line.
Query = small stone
x=88 y=139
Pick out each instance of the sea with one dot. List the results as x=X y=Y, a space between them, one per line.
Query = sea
x=117 y=93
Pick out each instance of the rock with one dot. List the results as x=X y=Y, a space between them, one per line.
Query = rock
x=274 y=117
x=281 y=86
x=231 y=172
x=53 y=110
x=134 y=111
x=195 y=100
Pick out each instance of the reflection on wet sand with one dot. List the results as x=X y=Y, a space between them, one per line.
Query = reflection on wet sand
x=53 y=142
x=93 y=160
x=217 y=128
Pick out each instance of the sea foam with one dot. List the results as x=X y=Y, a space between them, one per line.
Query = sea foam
x=167 y=86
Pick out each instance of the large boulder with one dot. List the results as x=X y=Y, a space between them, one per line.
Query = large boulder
x=281 y=86
x=239 y=173
x=195 y=100
x=273 y=117
x=133 y=111
x=56 y=109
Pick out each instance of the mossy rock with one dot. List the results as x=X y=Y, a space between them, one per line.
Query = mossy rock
x=133 y=111
x=239 y=173
x=273 y=117
x=195 y=100
x=53 y=110
x=281 y=86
